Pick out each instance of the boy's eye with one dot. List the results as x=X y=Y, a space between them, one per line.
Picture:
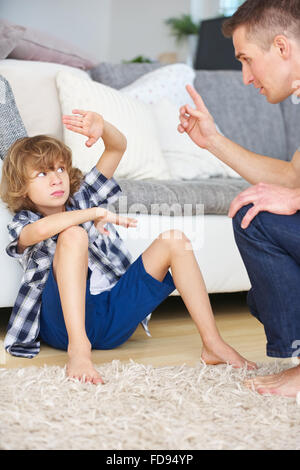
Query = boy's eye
x=41 y=173
x=61 y=168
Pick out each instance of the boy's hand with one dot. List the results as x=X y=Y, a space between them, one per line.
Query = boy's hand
x=104 y=216
x=197 y=123
x=88 y=123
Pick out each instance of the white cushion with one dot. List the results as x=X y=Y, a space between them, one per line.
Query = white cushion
x=166 y=82
x=184 y=158
x=34 y=87
x=143 y=157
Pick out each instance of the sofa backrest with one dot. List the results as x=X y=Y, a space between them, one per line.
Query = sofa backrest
x=291 y=115
x=242 y=114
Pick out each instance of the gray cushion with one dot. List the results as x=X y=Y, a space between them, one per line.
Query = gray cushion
x=242 y=114
x=169 y=197
x=291 y=116
x=11 y=124
x=120 y=75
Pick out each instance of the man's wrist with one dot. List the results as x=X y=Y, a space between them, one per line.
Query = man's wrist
x=214 y=143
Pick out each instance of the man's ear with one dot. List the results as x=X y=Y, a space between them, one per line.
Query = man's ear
x=283 y=46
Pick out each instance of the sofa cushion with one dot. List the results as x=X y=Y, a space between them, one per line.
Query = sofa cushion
x=11 y=124
x=36 y=45
x=10 y=35
x=170 y=197
x=120 y=75
x=242 y=114
x=34 y=87
x=143 y=158
x=291 y=116
x=167 y=82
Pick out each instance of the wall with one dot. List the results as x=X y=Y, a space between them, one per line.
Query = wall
x=138 y=28
x=107 y=29
x=66 y=19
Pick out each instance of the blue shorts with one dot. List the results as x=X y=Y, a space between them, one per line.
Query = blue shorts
x=110 y=317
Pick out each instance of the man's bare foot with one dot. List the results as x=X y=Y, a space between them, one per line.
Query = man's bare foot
x=80 y=366
x=223 y=353
x=286 y=383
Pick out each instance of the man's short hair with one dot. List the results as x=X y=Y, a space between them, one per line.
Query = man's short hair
x=265 y=19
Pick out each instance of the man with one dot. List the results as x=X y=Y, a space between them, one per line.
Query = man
x=266 y=217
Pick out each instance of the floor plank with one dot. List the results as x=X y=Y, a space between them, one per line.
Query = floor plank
x=175 y=339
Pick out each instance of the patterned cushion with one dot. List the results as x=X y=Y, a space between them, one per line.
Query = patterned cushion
x=11 y=124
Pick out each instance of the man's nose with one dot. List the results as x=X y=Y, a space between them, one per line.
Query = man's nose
x=247 y=76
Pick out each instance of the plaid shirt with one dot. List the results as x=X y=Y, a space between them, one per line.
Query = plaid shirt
x=107 y=253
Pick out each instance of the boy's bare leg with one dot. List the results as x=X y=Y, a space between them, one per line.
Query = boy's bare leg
x=70 y=267
x=173 y=249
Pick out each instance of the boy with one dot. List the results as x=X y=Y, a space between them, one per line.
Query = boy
x=80 y=290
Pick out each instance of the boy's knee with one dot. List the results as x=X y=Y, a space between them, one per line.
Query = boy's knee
x=175 y=238
x=74 y=235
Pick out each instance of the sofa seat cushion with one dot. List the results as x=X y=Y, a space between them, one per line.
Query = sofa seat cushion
x=177 y=198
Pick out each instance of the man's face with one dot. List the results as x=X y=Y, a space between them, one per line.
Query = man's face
x=266 y=70
x=49 y=190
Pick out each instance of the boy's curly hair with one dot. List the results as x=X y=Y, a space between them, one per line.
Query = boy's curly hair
x=39 y=153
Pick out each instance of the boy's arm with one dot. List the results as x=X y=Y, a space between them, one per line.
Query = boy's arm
x=50 y=225
x=115 y=145
x=93 y=126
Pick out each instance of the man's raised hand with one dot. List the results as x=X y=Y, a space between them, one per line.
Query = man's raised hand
x=87 y=123
x=197 y=123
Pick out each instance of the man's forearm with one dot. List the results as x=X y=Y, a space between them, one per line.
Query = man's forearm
x=253 y=167
x=53 y=224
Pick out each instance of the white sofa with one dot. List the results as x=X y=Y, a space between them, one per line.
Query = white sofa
x=34 y=87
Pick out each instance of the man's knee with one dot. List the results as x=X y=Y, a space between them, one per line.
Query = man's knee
x=73 y=235
x=237 y=219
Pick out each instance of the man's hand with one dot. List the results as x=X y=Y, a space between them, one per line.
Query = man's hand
x=104 y=216
x=197 y=123
x=265 y=197
x=87 y=123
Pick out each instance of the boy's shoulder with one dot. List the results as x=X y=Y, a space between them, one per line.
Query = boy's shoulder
x=26 y=214
x=22 y=218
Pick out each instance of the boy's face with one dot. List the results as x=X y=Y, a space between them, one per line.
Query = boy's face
x=49 y=190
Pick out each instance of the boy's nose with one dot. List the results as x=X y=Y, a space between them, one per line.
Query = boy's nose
x=55 y=178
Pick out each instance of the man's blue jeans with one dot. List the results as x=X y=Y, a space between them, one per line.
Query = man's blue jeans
x=270 y=249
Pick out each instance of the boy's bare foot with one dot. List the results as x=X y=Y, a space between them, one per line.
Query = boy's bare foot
x=222 y=353
x=80 y=366
x=286 y=383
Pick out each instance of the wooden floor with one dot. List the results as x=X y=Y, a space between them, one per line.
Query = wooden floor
x=174 y=341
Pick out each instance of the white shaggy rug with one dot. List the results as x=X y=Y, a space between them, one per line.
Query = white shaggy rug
x=141 y=407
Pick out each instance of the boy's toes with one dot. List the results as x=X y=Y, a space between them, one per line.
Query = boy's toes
x=251 y=365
